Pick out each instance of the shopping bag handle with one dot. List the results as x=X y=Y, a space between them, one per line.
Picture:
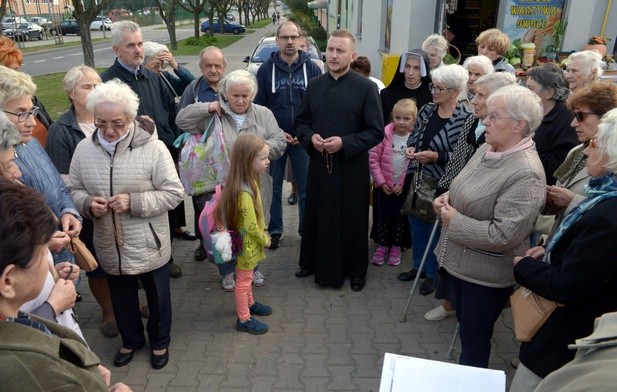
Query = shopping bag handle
x=183 y=138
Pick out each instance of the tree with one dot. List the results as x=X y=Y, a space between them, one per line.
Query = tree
x=3 y=5
x=168 y=13
x=84 y=17
x=196 y=7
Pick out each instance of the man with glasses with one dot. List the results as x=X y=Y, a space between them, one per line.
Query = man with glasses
x=155 y=99
x=282 y=80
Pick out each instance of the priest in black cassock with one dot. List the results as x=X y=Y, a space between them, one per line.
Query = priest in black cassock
x=339 y=121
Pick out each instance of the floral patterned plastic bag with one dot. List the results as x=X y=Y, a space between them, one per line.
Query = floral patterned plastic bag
x=204 y=159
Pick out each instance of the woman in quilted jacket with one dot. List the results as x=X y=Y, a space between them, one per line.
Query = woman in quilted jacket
x=124 y=179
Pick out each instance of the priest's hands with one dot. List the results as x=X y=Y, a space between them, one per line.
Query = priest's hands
x=331 y=145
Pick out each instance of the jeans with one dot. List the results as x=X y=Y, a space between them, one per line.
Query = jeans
x=420 y=234
x=299 y=161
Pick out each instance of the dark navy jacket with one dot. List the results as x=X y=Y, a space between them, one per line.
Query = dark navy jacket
x=283 y=96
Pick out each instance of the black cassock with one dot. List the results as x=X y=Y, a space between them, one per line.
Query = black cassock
x=335 y=233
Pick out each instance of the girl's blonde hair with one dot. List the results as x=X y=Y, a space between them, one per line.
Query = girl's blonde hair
x=406 y=104
x=241 y=173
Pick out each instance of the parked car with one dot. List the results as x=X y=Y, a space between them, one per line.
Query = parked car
x=66 y=27
x=25 y=32
x=10 y=22
x=228 y=26
x=267 y=46
x=39 y=20
x=100 y=23
x=230 y=17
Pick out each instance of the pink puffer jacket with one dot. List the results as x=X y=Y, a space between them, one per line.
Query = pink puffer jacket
x=380 y=161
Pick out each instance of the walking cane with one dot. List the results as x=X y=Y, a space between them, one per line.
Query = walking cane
x=415 y=282
x=450 y=353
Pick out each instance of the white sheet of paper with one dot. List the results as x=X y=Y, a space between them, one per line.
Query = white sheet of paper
x=403 y=374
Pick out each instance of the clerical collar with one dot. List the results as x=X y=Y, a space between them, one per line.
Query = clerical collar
x=134 y=71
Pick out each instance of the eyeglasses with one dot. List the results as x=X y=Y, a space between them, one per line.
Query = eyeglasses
x=289 y=37
x=23 y=116
x=494 y=117
x=116 y=126
x=436 y=89
x=581 y=116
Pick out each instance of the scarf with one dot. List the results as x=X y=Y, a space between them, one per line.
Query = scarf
x=24 y=319
x=110 y=147
x=597 y=190
x=572 y=165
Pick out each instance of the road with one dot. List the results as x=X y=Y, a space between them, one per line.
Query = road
x=62 y=59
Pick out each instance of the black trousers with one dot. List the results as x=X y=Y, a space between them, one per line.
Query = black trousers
x=477 y=308
x=125 y=301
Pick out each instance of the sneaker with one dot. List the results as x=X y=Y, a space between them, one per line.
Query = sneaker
x=275 y=239
x=228 y=282
x=260 y=309
x=175 y=271
x=380 y=255
x=395 y=256
x=252 y=326
x=438 y=313
x=258 y=279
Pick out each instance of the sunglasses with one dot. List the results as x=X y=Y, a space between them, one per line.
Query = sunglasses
x=581 y=116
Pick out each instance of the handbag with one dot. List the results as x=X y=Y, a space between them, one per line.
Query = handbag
x=419 y=200
x=204 y=159
x=530 y=311
x=83 y=257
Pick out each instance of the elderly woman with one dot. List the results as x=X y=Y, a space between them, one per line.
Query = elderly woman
x=430 y=147
x=488 y=215
x=436 y=46
x=577 y=268
x=471 y=137
x=125 y=180
x=238 y=114
x=57 y=297
x=73 y=126
x=30 y=358
x=589 y=104
x=477 y=66
x=554 y=137
x=16 y=101
x=583 y=68
x=11 y=57
x=493 y=43
x=157 y=57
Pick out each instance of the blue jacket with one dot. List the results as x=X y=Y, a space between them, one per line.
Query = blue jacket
x=283 y=94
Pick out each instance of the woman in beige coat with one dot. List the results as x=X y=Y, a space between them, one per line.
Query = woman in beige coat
x=487 y=217
x=124 y=179
x=238 y=115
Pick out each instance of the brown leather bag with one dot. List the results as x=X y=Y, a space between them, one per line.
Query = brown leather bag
x=83 y=257
x=530 y=311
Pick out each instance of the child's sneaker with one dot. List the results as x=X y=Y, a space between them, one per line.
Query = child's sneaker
x=380 y=255
x=252 y=326
x=260 y=309
x=395 y=256
x=228 y=282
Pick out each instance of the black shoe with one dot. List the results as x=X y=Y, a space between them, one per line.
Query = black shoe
x=427 y=287
x=122 y=359
x=275 y=240
x=175 y=271
x=185 y=235
x=409 y=276
x=159 y=361
x=293 y=199
x=303 y=273
x=357 y=284
x=200 y=253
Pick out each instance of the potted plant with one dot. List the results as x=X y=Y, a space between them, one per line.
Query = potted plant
x=597 y=43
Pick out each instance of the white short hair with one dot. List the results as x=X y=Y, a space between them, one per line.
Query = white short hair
x=114 y=92
x=522 y=105
x=607 y=140
x=235 y=78
x=453 y=75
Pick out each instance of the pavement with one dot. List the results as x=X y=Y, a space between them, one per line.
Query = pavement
x=319 y=339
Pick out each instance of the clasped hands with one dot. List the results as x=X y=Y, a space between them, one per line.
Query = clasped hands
x=422 y=156
x=443 y=209
x=330 y=145
x=119 y=204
